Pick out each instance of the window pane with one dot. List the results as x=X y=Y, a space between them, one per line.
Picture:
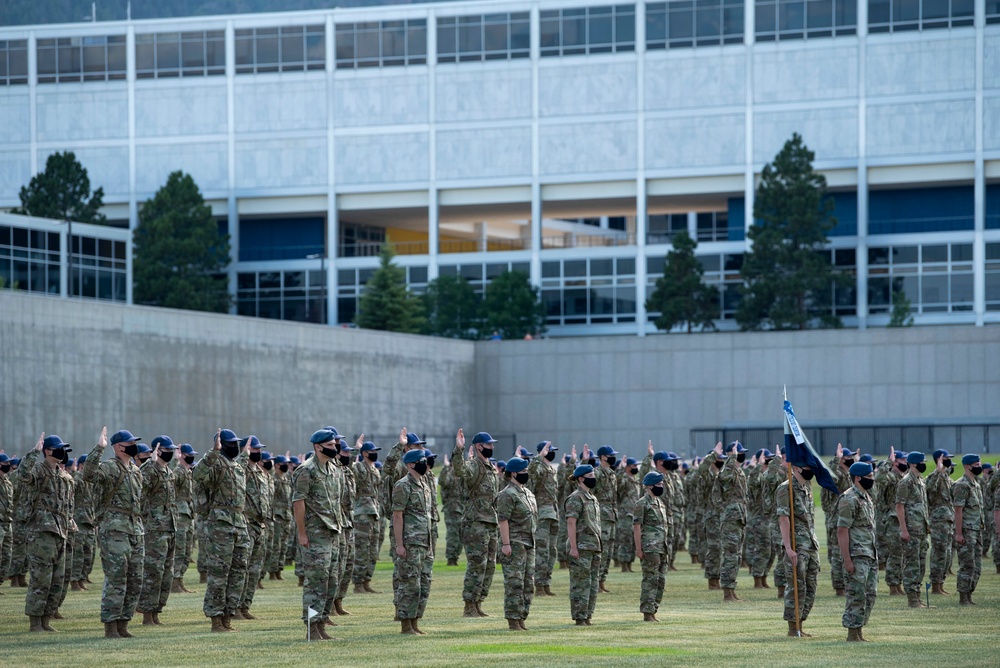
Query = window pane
x=267 y=50
x=600 y=30
x=393 y=40
x=193 y=54
x=345 y=46
x=167 y=51
x=292 y=47
x=470 y=38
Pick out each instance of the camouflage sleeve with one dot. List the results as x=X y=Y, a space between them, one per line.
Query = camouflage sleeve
x=25 y=473
x=505 y=506
x=781 y=505
x=535 y=471
x=960 y=495
x=645 y=466
x=902 y=491
x=846 y=510
x=574 y=507
x=637 y=511
x=400 y=494
x=300 y=484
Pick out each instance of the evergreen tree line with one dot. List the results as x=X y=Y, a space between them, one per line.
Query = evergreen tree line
x=789 y=282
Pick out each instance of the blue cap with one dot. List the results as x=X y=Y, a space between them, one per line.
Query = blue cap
x=516 y=465
x=630 y=461
x=336 y=433
x=660 y=456
x=413 y=439
x=15 y=461
x=322 y=436
x=378 y=465
x=582 y=470
x=414 y=456
x=53 y=442
x=735 y=446
x=541 y=446
x=368 y=446
x=987 y=466
x=266 y=456
x=123 y=436
x=142 y=449
x=280 y=459
x=866 y=458
x=763 y=452
x=901 y=455
x=567 y=458
x=186 y=449
x=294 y=460
x=69 y=462
x=254 y=442
x=4 y=458
x=940 y=452
x=164 y=442
x=81 y=460
x=429 y=455
x=606 y=450
x=344 y=447
x=652 y=478
x=228 y=436
x=849 y=453
x=671 y=457
x=684 y=465
x=970 y=459
x=915 y=457
x=308 y=456
x=860 y=469
x=502 y=464
x=483 y=437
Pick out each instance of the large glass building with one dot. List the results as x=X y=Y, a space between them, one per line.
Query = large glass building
x=564 y=139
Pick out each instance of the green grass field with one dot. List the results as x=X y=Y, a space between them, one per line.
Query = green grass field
x=697 y=629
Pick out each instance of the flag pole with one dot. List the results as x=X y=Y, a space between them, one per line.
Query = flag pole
x=791 y=532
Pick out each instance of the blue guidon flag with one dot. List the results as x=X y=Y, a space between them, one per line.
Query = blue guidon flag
x=799 y=451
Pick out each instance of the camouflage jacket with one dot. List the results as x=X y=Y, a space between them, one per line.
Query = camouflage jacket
x=606 y=492
x=805 y=513
x=412 y=498
x=184 y=490
x=49 y=495
x=318 y=486
x=911 y=493
x=224 y=485
x=517 y=506
x=969 y=498
x=281 y=504
x=543 y=484
x=481 y=483
x=585 y=508
x=939 y=502
x=650 y=514
x=159 y=499
x=348 y=493
x=367 y=480
x=856 y=512
x=118 y=490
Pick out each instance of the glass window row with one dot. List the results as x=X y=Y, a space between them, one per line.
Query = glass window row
x=180 y=54
x=284 y=49
x=13 y=62
x=381 y=44
x=483 y=37
x=67 y=59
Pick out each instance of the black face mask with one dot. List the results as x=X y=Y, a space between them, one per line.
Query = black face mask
x=522 y=478
x=131 y=449
x=283 y=468
x=189 y=459
x=550 y=456
x=430 y=463
x=867 y=483
x=901 y=468
x=487 y=452
x=62 y=455
x=946 y=463
x=5 y=468
x=592 y=461
x=372 y=456
x=976 y=470
x=742 y=457
x=848 y=462
x=612 y=461
x=268 y=466
x=658 y=490
x=672 y=465
x=633 y=470
x=808 y=474
x=345 y=461
x=921 y=467
x=255 y=456
x=167 y=455
x=143 y=460
x=420 y=467
x=230 y=450
x=591 y=483
x=330 y=452
x=719 y=463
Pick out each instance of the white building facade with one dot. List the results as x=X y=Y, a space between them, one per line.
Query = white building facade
x=563 y=139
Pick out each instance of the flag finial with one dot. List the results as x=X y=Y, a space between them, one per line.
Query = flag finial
x=785 y=389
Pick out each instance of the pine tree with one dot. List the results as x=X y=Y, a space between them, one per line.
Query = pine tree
x=788 y=278
x=512 y=306
x=62 y=192
x=901 y=309
x=453 y=309
x=386 y=304
x=680 y=295
x=180 y=256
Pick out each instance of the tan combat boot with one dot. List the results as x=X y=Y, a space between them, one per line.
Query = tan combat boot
x=368 y=588
x=147 y=619
x=217 y=626
x=512 y=625
x=854 y=635
x=123 y=628
x=479 y=609
x=111 y=630
x=470 y=610
x=406 y=627
x=35 y=624
x=338 y=605
x=913 y=600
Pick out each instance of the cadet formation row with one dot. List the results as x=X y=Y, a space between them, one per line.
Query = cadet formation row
x=251 y=513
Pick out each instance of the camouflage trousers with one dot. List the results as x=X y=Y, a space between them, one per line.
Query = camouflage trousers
x=518 y=580
x=480 y=540
x=989 y=535
x=382 y=524
x=607 y=539
x=914 y=562
x=6 y=550
x=731 y=536
x=320 y=563
x=562 y=540
x=861 y=589
x=226 y=549
x=202 y=533
x=807 y=573
x=68 y=567
x=268 y=553
x=279 y=544
x=346 y=561
x=671 y=537
x=777 y=552
x=46 y=555
x=691 y=519
x=834 y=558
x=183 y=545
x=759 y=553
x=365 y=547
x=158 y=571
x=122 y=557
x=414 y=577
x=889 y=544
x=711 y=551
x=292 y=547
x=453 y=530
x=19 y=549
x=624 y=545
x=677 y=544
x=546 y=537
x=84 y=549
x=970 y=561
x=942 y=541
x=583 y=583
x=257 y=537
x=654 y=577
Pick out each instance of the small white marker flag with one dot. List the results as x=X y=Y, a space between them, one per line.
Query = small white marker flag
x=312 y=613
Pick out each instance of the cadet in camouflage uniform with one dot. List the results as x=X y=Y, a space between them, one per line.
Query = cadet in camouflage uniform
x=693 y=513
x=773 y=476
x=517 y=516
x=411 y=528
x=649 y=536
x=6 y=517
x=316 y=493
x=911 y=513
x=184 y=536
x=983 y=481
x=479 y=524
x=711 y=517
x=86 y=532
x=991 y=505
x=118 y=484
x=629 y=491
x=758 y=531
x=942 y=518
x=392 y=472
x=222 y=476
x=887 y=477
x=48 y=493
x=544 y=484
x=583 y=529
x=856 y=539
x=839 y=466
x=678 y=504
x=19 y=531
x=667 y=464
x=564 y=478
x=348 y=490
x=257 y=509
x=281 y=510
x=159 y=516
x=267 y=463
x=730 y=495
x=451 y=503
x=969 y=523
x=804 y=557
x=607 y=495
x=366 y=518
